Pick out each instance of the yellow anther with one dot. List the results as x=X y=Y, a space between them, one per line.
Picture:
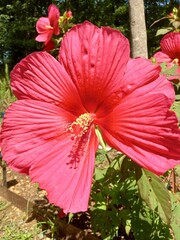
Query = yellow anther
x=176 y=61
x=49 y=27
x=81 y=125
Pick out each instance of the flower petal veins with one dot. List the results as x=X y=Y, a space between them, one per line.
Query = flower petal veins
x=39 y=145
x=95 y=63
x=170 y=45
x=49 y=132
x=40 y=76
x=170 y=53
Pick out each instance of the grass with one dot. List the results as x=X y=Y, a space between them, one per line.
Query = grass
x=20 y=228
x=6 y=96
x=10 y=230
x=4 y=205
x=13 y=230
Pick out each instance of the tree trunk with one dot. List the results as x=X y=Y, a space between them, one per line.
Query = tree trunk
x=138 y=29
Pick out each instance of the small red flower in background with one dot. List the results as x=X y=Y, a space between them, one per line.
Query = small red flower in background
x=170 y=52
x=50 y=131
x=69 y=14
x=47 y=26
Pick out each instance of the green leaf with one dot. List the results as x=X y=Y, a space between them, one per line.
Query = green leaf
x=169 y=72
x=99 y=173
x=176 y=108
x=175 y=223
x=177 y=170
x=163 y=31
x=128 y=226
x=176 y=24
x=177 y=96
x=70 y=216
x=154 y=193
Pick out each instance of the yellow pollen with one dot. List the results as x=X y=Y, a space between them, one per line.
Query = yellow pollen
x=49 y=27
x=176 y=61
x=81 y=125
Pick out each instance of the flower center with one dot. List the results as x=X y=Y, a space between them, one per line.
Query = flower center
x=81 y=125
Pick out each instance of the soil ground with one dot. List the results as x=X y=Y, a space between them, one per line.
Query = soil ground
x=11 y=217
x=41 y=223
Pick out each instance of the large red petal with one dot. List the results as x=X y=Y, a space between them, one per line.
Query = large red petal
x=70 y=168
x=140 y=78
x=35 y=141
x=95 y=58
x=146 y=130
x=170 y=44
x=40 y=76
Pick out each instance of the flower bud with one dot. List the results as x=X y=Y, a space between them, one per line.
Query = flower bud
x=69 y=14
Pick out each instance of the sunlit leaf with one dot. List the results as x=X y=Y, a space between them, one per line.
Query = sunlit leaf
x=176 y=24
x=177 y=170
x=99 y=173
x=176 y=108
x=128 y=226
x=177 y=96
x=154 y=193
x=175 y=223
x=163 y=31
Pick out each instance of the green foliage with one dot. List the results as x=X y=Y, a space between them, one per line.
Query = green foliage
x=118 y=208
x=17 y=23
x=18 y=20
x=163 y=31
x=13 y=230
x=156 y=10
x=169 y=71
x=154 y=193
x=175 y=221
x=102 y=12
x=4 y=205
x=176 y=105
x=176 y=108
x=6 y=96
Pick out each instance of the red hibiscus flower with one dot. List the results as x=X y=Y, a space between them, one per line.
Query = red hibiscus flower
x=170 y=52
x=47 y=26
x=50 y=131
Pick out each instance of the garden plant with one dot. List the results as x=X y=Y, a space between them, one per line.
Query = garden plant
x=97 y=129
